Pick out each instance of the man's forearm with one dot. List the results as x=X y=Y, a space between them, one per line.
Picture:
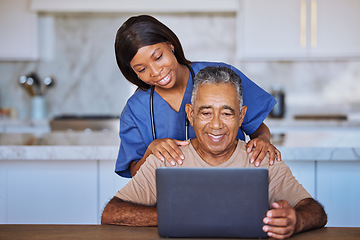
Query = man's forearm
x=118 y=212
x=309 y=215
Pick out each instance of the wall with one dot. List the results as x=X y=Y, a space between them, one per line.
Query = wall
x=328 y=86
x=89 y=82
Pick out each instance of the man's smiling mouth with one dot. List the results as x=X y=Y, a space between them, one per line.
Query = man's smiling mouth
x=216 y=138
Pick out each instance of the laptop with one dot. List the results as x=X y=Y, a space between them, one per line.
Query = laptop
x=212 y=202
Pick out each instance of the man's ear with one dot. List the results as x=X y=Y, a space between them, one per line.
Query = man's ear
x=242 y=114
x=190 y=113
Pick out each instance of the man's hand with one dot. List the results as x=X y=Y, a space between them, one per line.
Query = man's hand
x=280 y=221
x=283 y=221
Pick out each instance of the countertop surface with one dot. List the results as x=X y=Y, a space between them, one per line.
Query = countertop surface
x=59 y=146
x=294 y=145
x=297 y=140
x=122 y=232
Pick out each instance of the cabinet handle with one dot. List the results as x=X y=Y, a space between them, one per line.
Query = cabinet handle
x=303 y=23
x=313 y=20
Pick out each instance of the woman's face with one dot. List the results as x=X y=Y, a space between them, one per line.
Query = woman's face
x=156 y=65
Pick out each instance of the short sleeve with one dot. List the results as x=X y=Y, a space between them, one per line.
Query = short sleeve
x=284 y=186
x=133 y=135
x=141 y=189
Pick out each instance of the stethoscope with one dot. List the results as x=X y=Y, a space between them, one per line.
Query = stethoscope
x=152 y=109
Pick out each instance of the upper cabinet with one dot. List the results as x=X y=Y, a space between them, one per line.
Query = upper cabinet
x=138 y=6
x=298 y=29
x=18 y=30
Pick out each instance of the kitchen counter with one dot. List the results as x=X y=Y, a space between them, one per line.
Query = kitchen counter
x=70 y=165
x=294 y=144
x=59 y=146
x=318 y=145
x=66 y=177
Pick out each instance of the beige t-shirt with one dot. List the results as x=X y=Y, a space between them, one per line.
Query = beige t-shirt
x=141 y=189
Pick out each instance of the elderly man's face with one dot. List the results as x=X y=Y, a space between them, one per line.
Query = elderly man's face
x=216 y=118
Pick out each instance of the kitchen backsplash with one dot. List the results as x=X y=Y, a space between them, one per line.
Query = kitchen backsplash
x=88 y=80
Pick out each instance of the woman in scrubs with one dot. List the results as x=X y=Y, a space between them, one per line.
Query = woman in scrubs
x=149 y=54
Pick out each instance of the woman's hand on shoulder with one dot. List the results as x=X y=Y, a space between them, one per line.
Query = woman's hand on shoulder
x=261 y=148
x=168 y=149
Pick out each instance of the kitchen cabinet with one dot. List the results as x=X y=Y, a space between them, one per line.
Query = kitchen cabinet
x=299 y=29
x=49 y=192
x=56 y=192
x=68 y=177
x=338 y=190
x=335 y=185
x=138 y=6
x=18 y=30
x=304 y=172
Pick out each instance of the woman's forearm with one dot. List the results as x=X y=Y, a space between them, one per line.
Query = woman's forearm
x=262 y=132
x=135 y=165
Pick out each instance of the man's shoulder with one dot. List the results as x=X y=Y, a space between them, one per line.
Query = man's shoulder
x=153 y=162
x=187 y=148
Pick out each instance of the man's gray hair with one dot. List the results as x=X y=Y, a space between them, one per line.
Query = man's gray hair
x=215 y=75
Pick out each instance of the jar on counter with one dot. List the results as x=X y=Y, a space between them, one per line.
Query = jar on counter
x=279 y=109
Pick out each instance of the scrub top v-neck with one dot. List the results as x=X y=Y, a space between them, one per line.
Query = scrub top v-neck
x=174 y=124
x=135 y=121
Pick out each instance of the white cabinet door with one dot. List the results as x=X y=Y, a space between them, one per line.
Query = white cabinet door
x=269 y=29
x=304 y=172
x=298 y=29
x=49 y=192
x=337 y=32
x=18 y=31
x=109 y=183
x=338 y=190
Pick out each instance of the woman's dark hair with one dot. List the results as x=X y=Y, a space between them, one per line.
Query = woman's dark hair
x=138 y=32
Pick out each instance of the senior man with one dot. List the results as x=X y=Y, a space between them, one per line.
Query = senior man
x=216 y=113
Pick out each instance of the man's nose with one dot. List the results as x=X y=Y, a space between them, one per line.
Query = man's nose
x=215 y=122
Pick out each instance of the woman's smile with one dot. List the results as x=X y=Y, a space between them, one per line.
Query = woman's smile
x=165 y=80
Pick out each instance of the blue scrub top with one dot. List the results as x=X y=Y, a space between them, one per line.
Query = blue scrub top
x=135 y=121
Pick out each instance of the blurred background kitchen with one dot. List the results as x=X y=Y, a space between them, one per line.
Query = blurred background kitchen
x=263 y=39
x=306 y=50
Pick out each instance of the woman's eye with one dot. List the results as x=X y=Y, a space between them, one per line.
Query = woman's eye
x=159 y=57
x=141 y=70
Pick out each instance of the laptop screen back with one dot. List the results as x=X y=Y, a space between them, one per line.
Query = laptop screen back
x=212 y=202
